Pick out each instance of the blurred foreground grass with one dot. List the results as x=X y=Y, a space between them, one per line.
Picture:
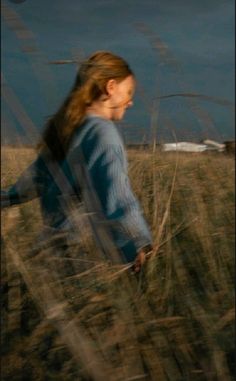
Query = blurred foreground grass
x=70 y=315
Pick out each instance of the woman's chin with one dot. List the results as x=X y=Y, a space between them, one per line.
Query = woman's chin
x=119 y=116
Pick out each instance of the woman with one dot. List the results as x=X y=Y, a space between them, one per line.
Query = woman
x=82 y=156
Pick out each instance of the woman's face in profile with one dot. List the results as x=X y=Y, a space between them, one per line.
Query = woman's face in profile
x=121 y=95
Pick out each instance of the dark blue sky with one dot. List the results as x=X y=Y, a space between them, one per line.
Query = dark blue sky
x=197 y=57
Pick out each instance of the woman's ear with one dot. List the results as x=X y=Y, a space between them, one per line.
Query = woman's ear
x=111 y=86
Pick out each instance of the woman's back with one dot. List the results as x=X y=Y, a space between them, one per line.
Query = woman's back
x=62 y=182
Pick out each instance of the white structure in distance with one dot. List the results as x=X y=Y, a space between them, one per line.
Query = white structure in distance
x=207 y=145
x=184 y=146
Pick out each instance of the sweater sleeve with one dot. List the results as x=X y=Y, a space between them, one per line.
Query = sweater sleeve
x=27 y=187
x=108 y=171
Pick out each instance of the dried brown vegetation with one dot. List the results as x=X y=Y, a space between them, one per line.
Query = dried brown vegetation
x=71 y=315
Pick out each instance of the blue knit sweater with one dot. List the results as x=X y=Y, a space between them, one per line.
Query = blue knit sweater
x=94 y=172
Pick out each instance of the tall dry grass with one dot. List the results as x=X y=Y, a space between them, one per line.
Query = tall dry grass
x=68 y=314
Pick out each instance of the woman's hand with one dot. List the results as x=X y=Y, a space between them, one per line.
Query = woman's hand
x=141 y=258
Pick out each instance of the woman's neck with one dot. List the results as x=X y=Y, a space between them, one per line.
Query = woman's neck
x=99 y=108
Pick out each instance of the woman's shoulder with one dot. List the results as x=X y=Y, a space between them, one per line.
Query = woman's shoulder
x=104 y=129
x=97 y=130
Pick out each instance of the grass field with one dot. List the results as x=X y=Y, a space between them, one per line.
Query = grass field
x=69 y=316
